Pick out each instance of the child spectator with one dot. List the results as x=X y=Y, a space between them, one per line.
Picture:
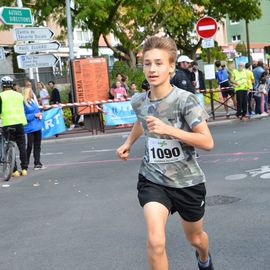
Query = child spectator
x=119 y=91
x=259 y=94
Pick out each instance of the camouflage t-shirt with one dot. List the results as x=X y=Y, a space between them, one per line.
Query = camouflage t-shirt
x=180 y=109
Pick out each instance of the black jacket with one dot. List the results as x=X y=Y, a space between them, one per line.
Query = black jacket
x=183 y=81
x=55 y=96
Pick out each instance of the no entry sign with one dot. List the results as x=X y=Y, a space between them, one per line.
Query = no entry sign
x=206 y=27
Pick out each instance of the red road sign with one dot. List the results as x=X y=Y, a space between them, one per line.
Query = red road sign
x=206 y=27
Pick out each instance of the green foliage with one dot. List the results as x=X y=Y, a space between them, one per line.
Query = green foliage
x=241 y=48
x=215 y=54
x=67 y=117
x=134 y=74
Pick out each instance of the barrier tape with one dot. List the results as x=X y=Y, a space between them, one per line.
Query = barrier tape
x=100 y=102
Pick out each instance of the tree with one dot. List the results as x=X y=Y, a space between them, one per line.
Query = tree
x=180 y=26
x=134 y=23
x=241 y=48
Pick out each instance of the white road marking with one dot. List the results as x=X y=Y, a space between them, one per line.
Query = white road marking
x=98 y=150
x=236 y=176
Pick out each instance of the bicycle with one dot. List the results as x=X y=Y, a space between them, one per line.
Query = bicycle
x=8 y=155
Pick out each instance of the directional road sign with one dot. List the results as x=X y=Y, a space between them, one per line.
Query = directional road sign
x=36 y=60
x=2 y=54
x=32 y=33
x=37 y=47
x=206 y=27
x=14 y=15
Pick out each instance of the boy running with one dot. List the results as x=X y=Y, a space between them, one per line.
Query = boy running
x=170 y=179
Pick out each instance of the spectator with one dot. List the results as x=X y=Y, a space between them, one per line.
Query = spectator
x=44 y=96
x=258 y=71
x=133 y=89
x=145 y=86
x=183 y=78
x=124 y=81
x=260 y=91
x=250 y=82
x=199 y=77
x=241 y=89
x=119 y=91
x=55 y=95
x=33 y=128
x=118 y=78
x=17 y=88
x=225 y=87
x=75 y=116
x=12 y=112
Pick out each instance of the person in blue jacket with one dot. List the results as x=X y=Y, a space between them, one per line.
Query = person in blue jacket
x=33 y=128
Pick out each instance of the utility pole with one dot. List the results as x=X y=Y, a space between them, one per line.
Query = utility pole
x=71 y=52
x=248 y=43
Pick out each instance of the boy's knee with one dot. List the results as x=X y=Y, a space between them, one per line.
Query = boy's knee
x=197 y=239
x=156 y=244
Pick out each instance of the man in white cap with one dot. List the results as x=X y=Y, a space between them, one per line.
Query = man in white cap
x=183 y=78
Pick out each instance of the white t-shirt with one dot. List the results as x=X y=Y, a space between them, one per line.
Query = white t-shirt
x=43 y=94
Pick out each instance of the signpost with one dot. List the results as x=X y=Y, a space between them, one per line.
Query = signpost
x=32 y=33
x=2 y=54
x=37 y=47
x=14 y=15
x=36 y=60
x=206 y=28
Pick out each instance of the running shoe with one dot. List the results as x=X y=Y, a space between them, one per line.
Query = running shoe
x=39 y=167
x=16 y=174
x=210 y=266
x=24 y=173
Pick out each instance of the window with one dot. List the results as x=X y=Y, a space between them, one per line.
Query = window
x=232 y=22
x=236 y=38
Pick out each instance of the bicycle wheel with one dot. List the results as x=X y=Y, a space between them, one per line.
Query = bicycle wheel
x=9 y=162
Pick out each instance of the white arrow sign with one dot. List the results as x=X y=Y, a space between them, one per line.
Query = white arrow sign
x=36 y=60
x=32 y=33
x=37 y=47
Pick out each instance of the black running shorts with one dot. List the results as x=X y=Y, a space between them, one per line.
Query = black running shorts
x=228 y=90
x=189 y=202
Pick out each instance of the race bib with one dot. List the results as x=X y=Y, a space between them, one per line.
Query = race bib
x=164 y=151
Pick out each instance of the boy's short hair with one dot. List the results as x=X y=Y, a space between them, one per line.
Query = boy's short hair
x=51 y=82
x=162 y=43
x=218 y=64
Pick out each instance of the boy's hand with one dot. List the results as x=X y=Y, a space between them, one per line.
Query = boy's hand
x=156 y=126
x=123 y=151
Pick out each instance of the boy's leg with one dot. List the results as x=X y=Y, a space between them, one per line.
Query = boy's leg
x=197 y=237
x=156 y=216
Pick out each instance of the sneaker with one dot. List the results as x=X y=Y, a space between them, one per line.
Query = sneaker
x=16 y=174
x=39 y=167
x=264 y=114
x=24 y=172
x=228 y=115
x=210 y=266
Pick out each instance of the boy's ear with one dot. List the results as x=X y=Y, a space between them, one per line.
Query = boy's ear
x=172 y=68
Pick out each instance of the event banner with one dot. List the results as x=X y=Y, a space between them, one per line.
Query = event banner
x=53 y=122
x=118 y=113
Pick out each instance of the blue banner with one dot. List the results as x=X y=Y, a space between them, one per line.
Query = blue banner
x=118 y=113
x=52 y=122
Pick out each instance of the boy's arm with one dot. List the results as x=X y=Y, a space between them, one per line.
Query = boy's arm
x=200 y=137
x=123 y=151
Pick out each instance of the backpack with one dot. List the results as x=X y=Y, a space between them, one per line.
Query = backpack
x=222 y=75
